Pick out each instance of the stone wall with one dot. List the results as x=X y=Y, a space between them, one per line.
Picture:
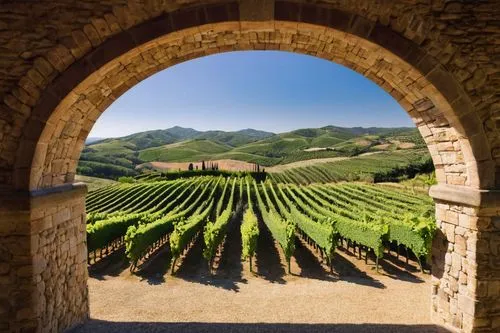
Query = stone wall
x=466 y=261
x=43 y=261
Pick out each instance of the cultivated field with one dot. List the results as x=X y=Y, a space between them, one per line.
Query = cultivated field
x=94 y=183
x=146 y=215
x=372 y=166
x=181 y=255
x=305 y=163
x=126 y=156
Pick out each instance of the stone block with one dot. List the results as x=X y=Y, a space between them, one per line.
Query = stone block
x=444 y=82
x=467 y=305
x=460 y=245
x=456 y=262
x=451 y=217
x=396 y=43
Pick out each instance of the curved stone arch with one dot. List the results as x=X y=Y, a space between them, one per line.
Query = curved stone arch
x=411 y=28
x=66 y=104
x=467 y=161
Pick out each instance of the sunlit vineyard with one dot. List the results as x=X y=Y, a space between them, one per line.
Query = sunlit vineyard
x=377 y=167
x=143 y=217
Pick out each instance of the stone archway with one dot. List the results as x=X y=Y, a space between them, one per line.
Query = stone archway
x=47 y=114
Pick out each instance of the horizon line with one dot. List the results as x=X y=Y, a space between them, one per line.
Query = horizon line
x=243 y=129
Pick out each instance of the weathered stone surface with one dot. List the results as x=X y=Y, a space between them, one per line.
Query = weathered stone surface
x=466 y=196
x=466 y=277
x=64 y=62
x=46 y=270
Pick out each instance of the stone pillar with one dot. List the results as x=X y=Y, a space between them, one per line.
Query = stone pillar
x=466 y=259
x=43 y=260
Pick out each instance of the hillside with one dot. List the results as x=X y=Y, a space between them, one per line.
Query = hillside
x=381 y=166
x=156 y=138
x=94 y=183
x=115 y=157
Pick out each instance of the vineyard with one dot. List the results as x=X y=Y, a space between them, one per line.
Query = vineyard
x=170 y=149
x=144 y=217
x=376 y=167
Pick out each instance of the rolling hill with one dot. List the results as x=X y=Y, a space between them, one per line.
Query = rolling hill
x=178 y=144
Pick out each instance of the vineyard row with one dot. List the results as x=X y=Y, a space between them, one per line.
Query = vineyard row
x=147 y=215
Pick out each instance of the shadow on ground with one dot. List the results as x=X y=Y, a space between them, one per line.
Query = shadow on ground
x=397 y=269
x=98 y=326
x=342 y=268
x=111 y=265
x=309 y=264
x=347 y=271
x=154 y=269
x=267 y=258
x=388 y=266
x=269 y=263
x=194 y=268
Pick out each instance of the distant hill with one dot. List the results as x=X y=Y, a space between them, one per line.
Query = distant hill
x=178 y=144
x=156 y=138
x=235 y=139
x=92 y=140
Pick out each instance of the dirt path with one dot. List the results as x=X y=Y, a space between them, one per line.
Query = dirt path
x=353 y=299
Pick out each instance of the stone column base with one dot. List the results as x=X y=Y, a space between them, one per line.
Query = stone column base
x=43 y=260
x=466 y=259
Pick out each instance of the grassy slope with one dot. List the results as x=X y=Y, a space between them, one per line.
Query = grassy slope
x=378 y=166
x=94 y=183
x=245 y=146
x=187 y=151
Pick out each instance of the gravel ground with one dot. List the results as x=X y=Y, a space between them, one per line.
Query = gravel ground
x=354 y=298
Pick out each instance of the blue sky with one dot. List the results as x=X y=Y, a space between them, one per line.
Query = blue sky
x=266 y=90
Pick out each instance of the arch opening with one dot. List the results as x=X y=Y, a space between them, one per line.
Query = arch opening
x=276 y=275
x=64 y=133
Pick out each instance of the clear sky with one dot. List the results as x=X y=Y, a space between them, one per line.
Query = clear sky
x=265 y=90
